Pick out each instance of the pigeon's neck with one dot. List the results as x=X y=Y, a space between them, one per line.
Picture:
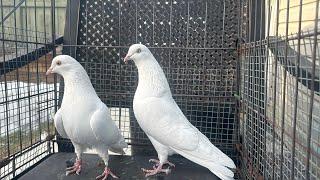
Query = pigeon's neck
x=152 y=80
x=78 y=83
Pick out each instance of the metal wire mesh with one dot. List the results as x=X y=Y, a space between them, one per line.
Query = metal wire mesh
x=280 y=91
x=194 y=42
x=27 y=97
x=197 y=43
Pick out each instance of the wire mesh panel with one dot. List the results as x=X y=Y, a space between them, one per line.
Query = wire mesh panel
x=27 y=96
x=194 y=42
x=280 y=91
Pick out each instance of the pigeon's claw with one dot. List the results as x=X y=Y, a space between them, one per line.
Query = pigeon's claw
x=76 y=168
x=106 y=173
x=156 y=170
x=158 y=162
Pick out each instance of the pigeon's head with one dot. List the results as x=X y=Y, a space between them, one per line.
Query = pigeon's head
x=62 y=64
x=137 y=52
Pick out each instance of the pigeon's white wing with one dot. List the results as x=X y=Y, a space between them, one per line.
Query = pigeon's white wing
x=175 y=131
x=58 y=123
x=105 y=129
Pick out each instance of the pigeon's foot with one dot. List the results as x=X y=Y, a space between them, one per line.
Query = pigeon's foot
x=156 y=170
x=106 y=173
x=76 y=168
x=158 y=162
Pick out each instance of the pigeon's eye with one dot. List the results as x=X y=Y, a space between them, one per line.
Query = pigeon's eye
x=138 y=50
x=58 y=63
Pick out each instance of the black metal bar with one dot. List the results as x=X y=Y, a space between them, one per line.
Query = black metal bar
x=18 y=84
x=136 y=8
x=205 y=25
x=37 y=67
x=242 y=91
x=275 y=94
x=12 y=100
x=68 y=24
x=119 y=43
x=223 y=34
x=28 y=74
x=87 y=48
x=261 y=78
x=255 y=35
x=53 y=31
x=27 y=58
x=18 y=103
x=71 y=27
x=296 y=96
x=12 y=11
x=46 y=65
x=273 y=40
x=246 y=80
x=153 y=2
x=244 y=95
x=256 y=20
x=154 y=47
x=314 y=54
x=266 y=90
x=22 y=41
x=238 y=75
x=187 y=45
x=284 y=88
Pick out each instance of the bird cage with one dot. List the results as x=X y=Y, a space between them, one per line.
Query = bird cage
x=245 y=73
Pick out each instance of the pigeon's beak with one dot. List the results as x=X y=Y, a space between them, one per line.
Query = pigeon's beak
x=49 y=71
x=127 y=58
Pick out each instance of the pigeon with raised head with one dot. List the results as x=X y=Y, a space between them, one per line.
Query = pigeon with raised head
x=83 y=117
x=164 y=123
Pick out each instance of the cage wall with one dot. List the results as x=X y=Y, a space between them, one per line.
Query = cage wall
x=280 y=90
x=27 y=97
x=194 y=42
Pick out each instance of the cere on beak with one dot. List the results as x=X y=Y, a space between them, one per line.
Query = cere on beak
x=49 y=71
x=126 y=59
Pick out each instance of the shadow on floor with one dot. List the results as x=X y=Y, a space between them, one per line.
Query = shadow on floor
x=126 y=167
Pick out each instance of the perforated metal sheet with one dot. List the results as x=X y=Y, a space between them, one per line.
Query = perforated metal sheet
x=194 y=42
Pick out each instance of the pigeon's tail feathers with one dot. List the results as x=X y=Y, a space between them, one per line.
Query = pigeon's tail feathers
x=214 y=154
x=218 y=168
x=118 y=147
x=117 y=150
x=122 y=143
x=220 y=171
x=228 y=162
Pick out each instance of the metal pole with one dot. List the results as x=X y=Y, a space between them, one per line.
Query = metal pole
x=53 y=27
x=314 y=52
x=296 y=95
x=284 y=88
x=275 y=94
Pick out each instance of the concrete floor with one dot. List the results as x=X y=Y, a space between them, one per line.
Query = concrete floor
x=126 y=167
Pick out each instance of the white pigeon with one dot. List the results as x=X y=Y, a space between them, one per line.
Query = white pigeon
x=164 y=123
x=83 y=117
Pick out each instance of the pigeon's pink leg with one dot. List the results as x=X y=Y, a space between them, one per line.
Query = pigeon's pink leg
x=106 y=173
x=158 y=162
x=156 y=170
x=76 y=168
